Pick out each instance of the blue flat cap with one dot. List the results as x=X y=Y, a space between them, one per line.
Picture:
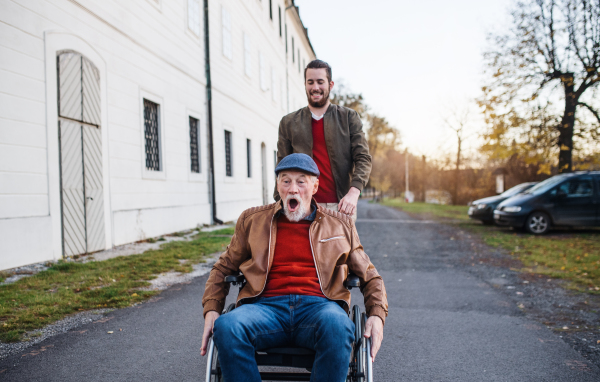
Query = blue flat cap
x=300 y=162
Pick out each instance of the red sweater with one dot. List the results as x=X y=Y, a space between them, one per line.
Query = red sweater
x=293 y=270
x=326 y=192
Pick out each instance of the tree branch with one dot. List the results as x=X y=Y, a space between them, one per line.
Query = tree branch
x=596 y=114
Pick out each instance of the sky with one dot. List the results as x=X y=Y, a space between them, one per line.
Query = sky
x=415 y=62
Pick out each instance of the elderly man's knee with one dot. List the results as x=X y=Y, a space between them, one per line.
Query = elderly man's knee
x=336 y=322
x=229 y=327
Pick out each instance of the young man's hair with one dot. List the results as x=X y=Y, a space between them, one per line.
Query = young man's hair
x=318 y=64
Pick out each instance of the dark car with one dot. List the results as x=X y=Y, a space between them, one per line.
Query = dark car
x=564 y=200
x=483 y=209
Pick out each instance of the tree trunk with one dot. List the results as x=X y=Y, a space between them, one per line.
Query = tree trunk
x=565 y=139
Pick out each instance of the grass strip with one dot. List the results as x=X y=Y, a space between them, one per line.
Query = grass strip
x=569 y=255
x=70 y=287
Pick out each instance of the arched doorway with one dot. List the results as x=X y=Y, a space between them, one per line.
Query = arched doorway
x=80 y=145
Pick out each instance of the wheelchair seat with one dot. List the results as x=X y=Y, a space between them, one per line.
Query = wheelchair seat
x=359 y=370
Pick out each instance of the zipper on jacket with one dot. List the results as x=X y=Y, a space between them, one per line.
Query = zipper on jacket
x=317 y=269
x=268 y=263
x=331 y=238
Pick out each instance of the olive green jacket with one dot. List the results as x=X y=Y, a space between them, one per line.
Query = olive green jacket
x=345 y=140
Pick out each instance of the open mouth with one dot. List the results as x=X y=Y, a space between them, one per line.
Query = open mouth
x=293 y=205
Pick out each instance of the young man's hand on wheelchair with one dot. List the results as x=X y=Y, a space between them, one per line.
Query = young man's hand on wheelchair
x=374 y=331
x=209 y=323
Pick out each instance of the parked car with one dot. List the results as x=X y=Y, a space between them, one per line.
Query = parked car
x=483 y=209
x=564 y=200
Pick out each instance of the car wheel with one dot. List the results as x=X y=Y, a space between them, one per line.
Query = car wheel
x=538 y=223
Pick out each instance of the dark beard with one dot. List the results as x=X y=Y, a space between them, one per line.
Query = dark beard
x=322 y=102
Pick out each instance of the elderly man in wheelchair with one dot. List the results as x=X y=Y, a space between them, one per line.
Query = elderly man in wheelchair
x=293 y=307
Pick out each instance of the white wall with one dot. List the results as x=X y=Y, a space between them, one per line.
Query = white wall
x=143 y=48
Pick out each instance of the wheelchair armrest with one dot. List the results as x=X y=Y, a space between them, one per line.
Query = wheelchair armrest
x=235 y=280
x=352 y=281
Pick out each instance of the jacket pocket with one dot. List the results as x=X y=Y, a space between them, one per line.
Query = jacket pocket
x=332 y=238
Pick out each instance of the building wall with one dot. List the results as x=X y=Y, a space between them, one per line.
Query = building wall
x=143 y=49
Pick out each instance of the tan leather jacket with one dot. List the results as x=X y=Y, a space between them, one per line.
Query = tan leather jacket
x=336 y=251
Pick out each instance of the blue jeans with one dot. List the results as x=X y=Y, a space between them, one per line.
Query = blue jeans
x=305 y=321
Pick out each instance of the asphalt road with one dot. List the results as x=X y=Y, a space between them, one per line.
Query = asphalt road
x=444 y=324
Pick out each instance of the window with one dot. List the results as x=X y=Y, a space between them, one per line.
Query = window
x=228 y=169
x=249 y=157
x=226 y=21
x=247 y=56
x=151 y=132
x=293 y=56
x=576 y=188
x=271 y=9
x=262 y=72
x=303 y=63
x=280 y=22
x=194 y=146
x=194 y=16
x=286 y=39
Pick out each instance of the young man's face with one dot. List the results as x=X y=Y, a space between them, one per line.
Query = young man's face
x=296 y=190
x=317 y=87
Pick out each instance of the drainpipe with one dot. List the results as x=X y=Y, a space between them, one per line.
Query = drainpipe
x=213 y=199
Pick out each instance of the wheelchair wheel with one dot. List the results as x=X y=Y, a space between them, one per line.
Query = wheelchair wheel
x=213 y=367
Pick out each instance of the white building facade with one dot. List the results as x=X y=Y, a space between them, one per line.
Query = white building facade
x=104 y=118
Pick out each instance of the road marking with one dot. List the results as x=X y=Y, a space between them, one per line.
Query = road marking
x=396 y=221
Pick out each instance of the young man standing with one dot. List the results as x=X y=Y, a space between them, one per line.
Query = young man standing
x=332 y=135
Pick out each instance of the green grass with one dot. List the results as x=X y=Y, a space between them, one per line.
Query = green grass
x=70 y=287
x=570 y=255
x=429 y=210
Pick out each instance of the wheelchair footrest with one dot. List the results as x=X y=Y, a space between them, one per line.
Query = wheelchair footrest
x=273 y=376
x=286 y=360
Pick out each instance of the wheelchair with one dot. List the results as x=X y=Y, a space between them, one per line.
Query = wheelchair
x=361 y=362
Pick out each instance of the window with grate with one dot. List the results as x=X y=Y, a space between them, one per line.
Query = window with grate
x=194 y=16
x=194 y=146
x=271 y=9
x=280 y=32
x=151 y=132
x=249 y=157
x=228 y=169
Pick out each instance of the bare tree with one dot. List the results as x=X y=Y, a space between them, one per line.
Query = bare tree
x=552 y=53
x=457 y=121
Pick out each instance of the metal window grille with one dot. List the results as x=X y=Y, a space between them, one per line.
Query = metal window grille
x=249 y=157
x=280 y=32
x=194 y=146
x=271 y=9
x=228 y=169
x=151 y=129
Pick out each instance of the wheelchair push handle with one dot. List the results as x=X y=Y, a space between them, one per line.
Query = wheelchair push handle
x=235 y=280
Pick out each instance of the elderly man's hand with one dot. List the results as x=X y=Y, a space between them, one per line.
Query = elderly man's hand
x=209 y=322
x=348 y=203
x=374 y=331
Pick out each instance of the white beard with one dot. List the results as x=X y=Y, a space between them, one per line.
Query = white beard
x=297 y=215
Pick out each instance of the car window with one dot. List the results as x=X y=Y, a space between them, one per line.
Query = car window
x=516 y=189
x=546 y=185
x=577 y=188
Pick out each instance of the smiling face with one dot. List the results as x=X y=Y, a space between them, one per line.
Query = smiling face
x=296 y=190
x=317 y=87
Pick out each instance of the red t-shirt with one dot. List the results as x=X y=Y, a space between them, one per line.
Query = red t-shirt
x=293 y=270
x=327 y=191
